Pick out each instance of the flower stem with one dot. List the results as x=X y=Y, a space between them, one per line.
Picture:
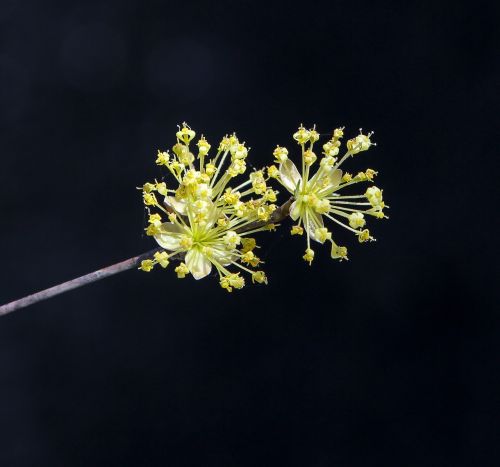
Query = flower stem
x=75 y=283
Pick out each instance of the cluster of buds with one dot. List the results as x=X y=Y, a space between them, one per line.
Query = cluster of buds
x=317 y=197
x=207 y=219
x=204 y=220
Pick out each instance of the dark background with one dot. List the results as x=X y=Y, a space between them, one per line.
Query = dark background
x=389 y=359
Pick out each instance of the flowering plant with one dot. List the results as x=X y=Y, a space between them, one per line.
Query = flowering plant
x=208 y=218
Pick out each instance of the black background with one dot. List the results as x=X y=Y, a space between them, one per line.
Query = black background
x=388 y=359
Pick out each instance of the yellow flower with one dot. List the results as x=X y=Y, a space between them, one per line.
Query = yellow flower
x=316 y=196
x=185 y=134
x=146 y=265
x=209 y=217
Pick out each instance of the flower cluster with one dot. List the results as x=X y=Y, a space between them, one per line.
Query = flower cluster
x=207 y=219
x=317 y=196
x=204 y=220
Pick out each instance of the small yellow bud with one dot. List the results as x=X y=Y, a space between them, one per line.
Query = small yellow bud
x=224 y=144
x=154 y=219
x=364 y=236
x=370 y=174
x=356 y=220
x=273 y=172
x=347 y=177
x=248 y=244
x=231 y=239
x=322 y=234
x=360 y=176
x=297 y=230
x=360 y=143
x=210 y=169
x=301 y=135
x=185 y=133
x=186 y=242
x=322 y=206
x=280 y=154
x=338 y=252
x=374 y=196
x=181 y=271
x=270 y=195
x=238 y=151
x=248 y=257
x=152 y=230
x=163 y=158
x=161 y=258
x=309 y=255
x=203 y=146
x=148 y=187
x=161 y=188
x=259 y=277
x=338 y=133
x=309 y=157
x=313 y=135
x=146 y=265
x=149 y=199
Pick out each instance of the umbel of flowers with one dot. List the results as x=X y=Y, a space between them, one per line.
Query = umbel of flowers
x=318 y=190
x=207 y=218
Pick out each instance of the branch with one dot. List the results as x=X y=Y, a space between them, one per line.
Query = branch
x=75 y=283
x=278 y=215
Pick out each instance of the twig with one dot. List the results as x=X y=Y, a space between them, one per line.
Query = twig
x=278 y=215
x=75 y=283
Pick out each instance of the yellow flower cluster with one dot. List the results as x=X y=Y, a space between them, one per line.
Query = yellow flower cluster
x=207 y=219
x=204 y=220
x=316 y=196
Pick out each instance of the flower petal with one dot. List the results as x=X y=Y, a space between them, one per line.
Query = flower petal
x=314 y=221
x=178 y=206
x=198 y=264
x=295 y=210
x=169 y=236
x=224 y=257
x=334 y=179
x=290 y=176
